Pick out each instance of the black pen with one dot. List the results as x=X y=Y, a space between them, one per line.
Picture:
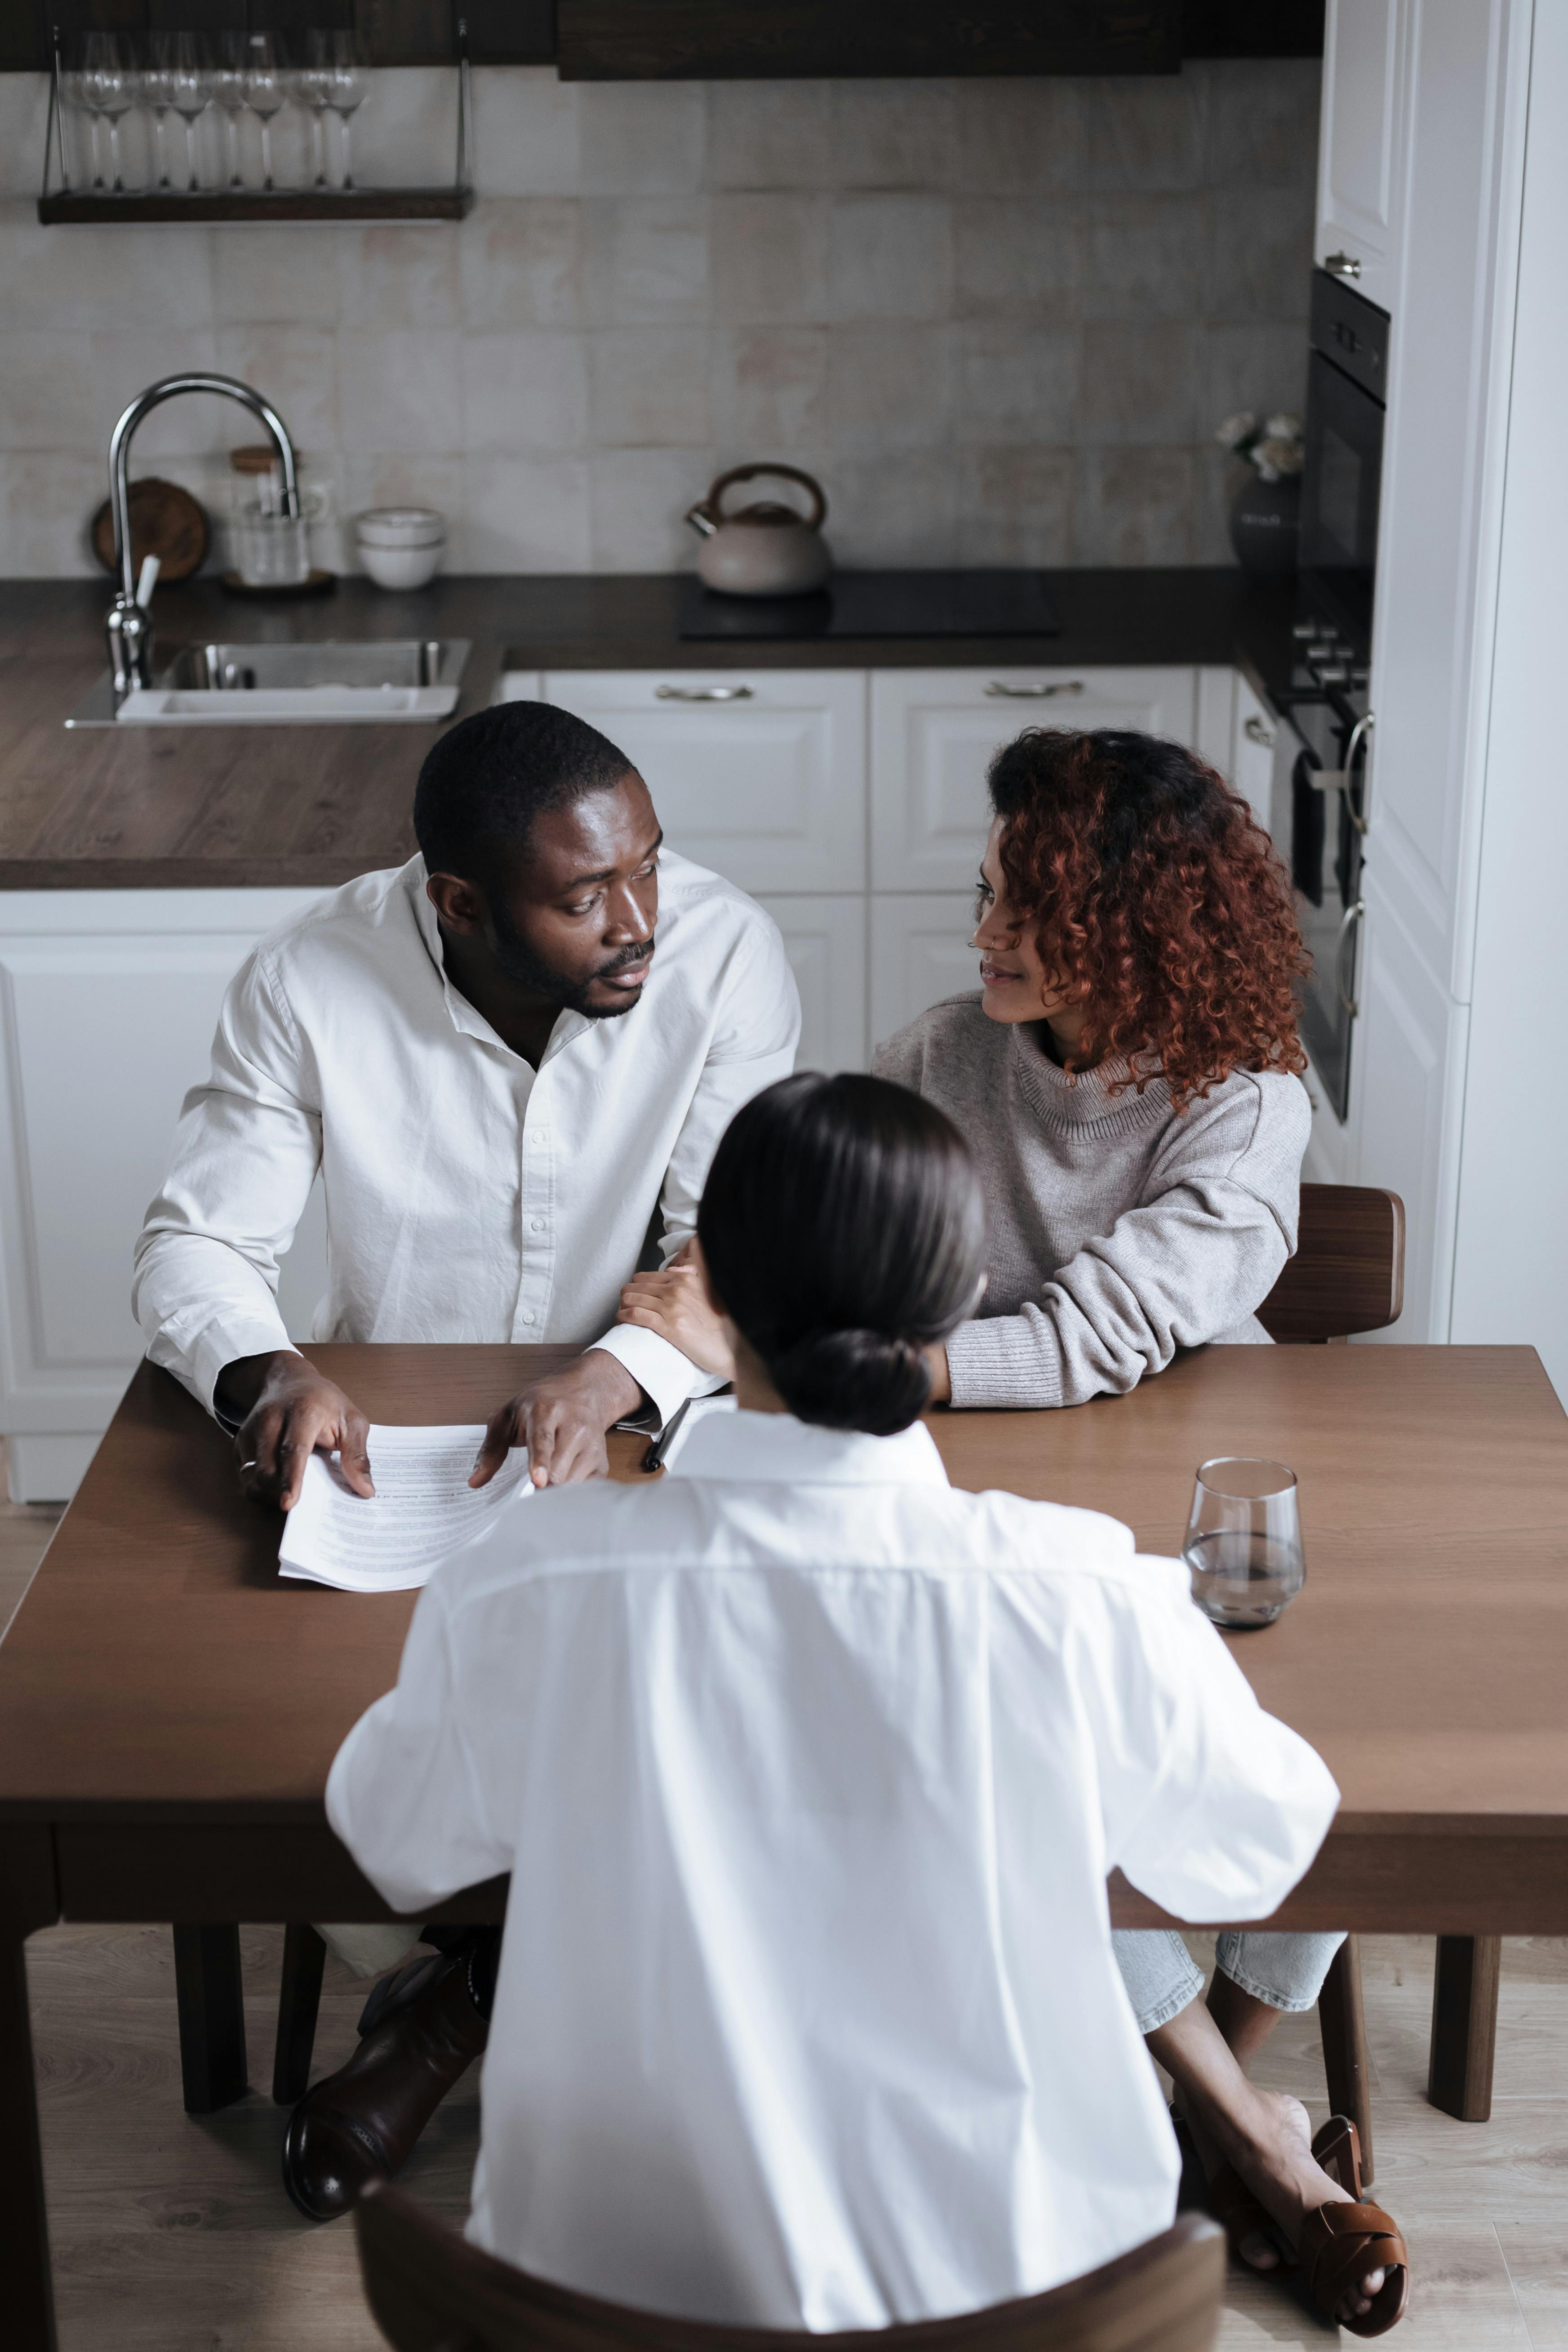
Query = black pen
x=654 y=1458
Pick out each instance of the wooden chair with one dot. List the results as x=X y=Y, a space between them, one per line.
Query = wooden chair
x=430 y=2291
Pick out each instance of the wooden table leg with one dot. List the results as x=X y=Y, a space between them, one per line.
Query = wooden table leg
x=1342 y=2016
x=304 y=1958
x=209 y=1990
x=1464 y=2025
x=27 y=1900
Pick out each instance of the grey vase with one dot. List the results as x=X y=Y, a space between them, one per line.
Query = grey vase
x=1265 y=526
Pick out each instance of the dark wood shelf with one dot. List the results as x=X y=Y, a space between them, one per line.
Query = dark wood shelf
x=259 y=205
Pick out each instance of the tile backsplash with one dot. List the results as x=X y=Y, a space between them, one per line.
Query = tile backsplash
x=999 y=320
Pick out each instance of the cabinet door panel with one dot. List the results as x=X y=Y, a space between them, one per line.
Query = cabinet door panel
x=933 y=733
x=1251 y=764
x=766 y=785
x=106 y=1019
x=1361 y=140
x=920 y=953
x=824 y=940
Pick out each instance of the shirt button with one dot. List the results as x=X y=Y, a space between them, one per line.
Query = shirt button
x=529 y=1316
x=536 y=1224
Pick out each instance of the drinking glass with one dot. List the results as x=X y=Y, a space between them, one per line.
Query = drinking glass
x=1243 y=1544
x=109 y=88
x=270 y=550
x=156 y=88
x=266 y=89
x=342 y=65
x=179 y=61
x=313 y=92
x=73 y=92
x=229 y=92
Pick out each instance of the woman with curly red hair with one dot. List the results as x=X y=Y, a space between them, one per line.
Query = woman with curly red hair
x=1127 y=1080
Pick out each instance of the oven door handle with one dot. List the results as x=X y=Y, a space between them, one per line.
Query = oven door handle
x=1353 y=916
x=1341 y=779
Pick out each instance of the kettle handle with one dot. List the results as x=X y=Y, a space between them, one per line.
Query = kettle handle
x=814 y=520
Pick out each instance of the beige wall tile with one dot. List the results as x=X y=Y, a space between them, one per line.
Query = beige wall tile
x=401 y=392
x=636 y=501
x=1014 y=384
x=401 y=481
x=1016 y=505
x=24 y=112
x=293 y=367
x=1140 y=383
x=769 y=258
x=46 y=505
x=1262 y=119
x=262 y=275
x=893 y=134
x=527 y=391
x=770 y=134
x=399 y=274
x=890 y=388
x=770 y=387
x=649 y=387
x=647 y=260
x=526 y=133
x=1261 y=253
x=1135 y=506
x=521 y=263
x=525 y=514
x=1023 y=138
x=890 y=258
x=891 y=511
x=1144 y=130
x=49 y=398
x=125 y=359
x=1145 y=258
x=1261 y=368
x=642 y=138
x=1018 y=258
x=138 y=276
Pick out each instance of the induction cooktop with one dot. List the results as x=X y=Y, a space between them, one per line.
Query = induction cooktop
x=878 y=604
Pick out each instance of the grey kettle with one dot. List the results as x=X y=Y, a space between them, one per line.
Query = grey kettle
x=767 y=548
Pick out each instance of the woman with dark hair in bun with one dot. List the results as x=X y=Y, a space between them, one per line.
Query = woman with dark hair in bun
x=808 y=1771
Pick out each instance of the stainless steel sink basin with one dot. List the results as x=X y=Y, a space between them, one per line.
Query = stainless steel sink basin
x=370 y=681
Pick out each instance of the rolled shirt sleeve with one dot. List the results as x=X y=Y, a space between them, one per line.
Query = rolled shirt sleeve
x=246 y=1154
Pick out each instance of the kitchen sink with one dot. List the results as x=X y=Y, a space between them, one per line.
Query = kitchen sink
x=210 y=684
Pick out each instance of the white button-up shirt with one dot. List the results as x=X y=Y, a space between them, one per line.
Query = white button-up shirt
x=469 y=1197
x=809 y=1770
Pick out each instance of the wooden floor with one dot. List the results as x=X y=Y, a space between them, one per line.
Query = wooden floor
x=173 y=2234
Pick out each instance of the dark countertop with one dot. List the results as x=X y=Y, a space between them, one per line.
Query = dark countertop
x=159 y=808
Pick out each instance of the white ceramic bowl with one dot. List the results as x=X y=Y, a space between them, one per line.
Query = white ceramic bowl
x=400 y=527
x=402 y=567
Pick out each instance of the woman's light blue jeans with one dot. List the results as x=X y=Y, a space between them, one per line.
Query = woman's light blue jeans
x=1162 y=1976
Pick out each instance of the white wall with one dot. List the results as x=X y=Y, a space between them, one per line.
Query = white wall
x=999 y=319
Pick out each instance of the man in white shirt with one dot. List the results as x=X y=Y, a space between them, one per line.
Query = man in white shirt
x=809 y=1770
x=510 y=1061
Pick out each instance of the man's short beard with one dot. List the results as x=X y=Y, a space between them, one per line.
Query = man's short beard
x=520 y=963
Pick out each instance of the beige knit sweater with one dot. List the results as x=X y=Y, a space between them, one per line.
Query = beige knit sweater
x=1120 y=1230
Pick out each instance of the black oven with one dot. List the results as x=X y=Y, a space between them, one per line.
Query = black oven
x=1321 y=767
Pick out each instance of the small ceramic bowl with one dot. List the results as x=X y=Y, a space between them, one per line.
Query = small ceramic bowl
x=400 y=527
x=402 y=567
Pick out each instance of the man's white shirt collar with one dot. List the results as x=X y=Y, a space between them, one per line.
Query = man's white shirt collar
x=774 y=1447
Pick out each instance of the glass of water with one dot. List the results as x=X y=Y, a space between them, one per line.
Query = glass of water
x=1243 y=1545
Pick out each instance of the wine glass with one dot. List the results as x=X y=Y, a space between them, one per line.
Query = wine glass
x=73 y=93
x=1243 y=1544
x=229 y=92
x=156 y=83
x=312 y=89
x=109 y=88
x=345 y=85
x=181 y=64
x=266 y=89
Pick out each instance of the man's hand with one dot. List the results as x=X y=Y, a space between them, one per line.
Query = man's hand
x=292 y=1412
x=562 y=1419
x=675 y=1305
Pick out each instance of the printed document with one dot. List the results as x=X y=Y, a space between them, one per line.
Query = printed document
x=423 y=1508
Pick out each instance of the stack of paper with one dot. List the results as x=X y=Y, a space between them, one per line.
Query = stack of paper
x=423 y=1508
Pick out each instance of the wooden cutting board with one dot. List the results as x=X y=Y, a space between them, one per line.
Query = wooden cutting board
x=165 y=521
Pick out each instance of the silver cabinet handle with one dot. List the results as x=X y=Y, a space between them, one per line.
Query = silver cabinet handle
x=1034 y=693
x=1351 y=918
x=1359 y=734
x=702 y=694
x=1256 y=732
x=1341 y=264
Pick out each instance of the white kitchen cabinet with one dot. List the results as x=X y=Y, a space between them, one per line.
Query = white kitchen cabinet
x=1250 y=767
x=107 y=1001
x=933 y=732
x=760 y=773
x=920 y=953
x=1408 y=1081
x=1361 y=143
x=824 y=940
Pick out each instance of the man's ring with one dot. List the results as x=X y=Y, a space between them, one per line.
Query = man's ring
x=247 y=1465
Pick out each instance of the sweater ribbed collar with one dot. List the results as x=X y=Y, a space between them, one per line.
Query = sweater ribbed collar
x=1083 y=1103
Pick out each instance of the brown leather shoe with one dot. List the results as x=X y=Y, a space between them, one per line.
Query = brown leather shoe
x=362 y=2123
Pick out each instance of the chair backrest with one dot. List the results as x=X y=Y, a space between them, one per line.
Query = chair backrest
x=432 y=2292
x=1348 y=1273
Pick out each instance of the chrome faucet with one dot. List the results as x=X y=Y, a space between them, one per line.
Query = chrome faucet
x=129 y=626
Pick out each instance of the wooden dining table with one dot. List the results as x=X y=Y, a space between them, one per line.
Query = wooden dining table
x=169 y=1705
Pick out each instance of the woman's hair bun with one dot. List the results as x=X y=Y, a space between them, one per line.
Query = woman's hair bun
x=873 y=1381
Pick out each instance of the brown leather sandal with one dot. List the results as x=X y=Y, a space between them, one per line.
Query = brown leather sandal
x=1338 y=2244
